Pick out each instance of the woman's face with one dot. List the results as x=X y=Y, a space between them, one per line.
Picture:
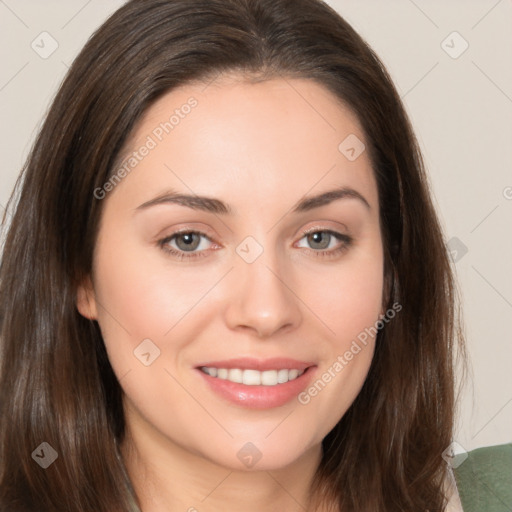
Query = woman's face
x=242 y=239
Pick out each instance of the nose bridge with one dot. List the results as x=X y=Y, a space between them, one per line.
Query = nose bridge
x=261 y=299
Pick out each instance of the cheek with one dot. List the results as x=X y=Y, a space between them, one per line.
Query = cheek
x=140 y=296
x=349 y=302
x=347 y=298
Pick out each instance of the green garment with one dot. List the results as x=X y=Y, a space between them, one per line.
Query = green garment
x=484 y=479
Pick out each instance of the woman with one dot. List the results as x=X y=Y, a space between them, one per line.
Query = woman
x=224 y=285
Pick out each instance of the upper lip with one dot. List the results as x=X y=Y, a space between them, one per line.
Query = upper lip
x=246 y=363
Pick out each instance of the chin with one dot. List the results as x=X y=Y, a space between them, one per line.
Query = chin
x=262 y=454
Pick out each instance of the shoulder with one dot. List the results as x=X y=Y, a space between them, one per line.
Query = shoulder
x=484 y=479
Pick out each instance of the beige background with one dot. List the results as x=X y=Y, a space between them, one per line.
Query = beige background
x=460 y=107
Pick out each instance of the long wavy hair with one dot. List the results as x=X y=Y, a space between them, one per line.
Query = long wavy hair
x=56 y=382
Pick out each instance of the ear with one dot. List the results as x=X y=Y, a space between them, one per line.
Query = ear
x=85 y=300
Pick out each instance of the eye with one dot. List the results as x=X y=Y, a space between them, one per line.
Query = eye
x=193 y=244
x=325 y=242
x=186 y=244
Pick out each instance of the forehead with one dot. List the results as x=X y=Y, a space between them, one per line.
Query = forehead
x=274 y=135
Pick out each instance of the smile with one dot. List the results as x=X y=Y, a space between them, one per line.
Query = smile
x=253 y=377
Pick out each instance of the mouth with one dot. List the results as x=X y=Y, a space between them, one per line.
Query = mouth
x=257 y=384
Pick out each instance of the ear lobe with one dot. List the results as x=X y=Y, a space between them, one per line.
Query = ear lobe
x=85 y=300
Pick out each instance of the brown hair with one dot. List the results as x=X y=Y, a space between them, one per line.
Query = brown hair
x=56 y=383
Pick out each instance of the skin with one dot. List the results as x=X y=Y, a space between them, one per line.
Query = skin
x=260 y=148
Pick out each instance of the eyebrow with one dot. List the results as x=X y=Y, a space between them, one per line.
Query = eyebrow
x=212 y=205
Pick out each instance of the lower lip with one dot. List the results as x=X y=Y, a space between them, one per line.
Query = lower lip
x=259 y=397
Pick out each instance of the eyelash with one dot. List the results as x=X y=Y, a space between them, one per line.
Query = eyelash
x=180 y=255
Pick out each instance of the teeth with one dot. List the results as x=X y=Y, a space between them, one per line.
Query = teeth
x=236 y=375
x=269 y=378
x=253 y=377
x=212 y=372
x=282 y=376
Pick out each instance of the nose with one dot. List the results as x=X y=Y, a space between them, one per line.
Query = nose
x=262 y=300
